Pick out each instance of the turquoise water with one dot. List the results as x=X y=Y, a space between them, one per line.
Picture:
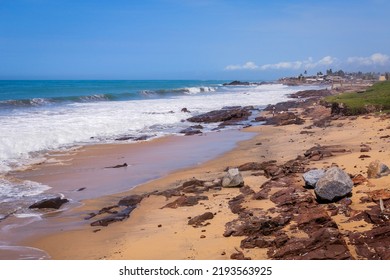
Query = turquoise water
x=35 y=93
x=40 y=116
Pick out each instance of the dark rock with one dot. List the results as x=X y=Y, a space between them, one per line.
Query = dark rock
x=307 y=132
x=310 y=93
x=198 y=220
x=257 y=241
x=246 y=190
x=234 y=115
x=293 y=166
x=254 y=225
x=190 y=131
x=185 y=110
x=365 y=149
x=262 y=194
x=142 y=138
x=237 y=83
x=239 y=256
x=251 y=166
x=117 y=217
x=131 y=200
x=314 y=219
x=124 y=138
x=260 y=119
x=285 y=118
x=185 y=201
x=319 y=152
x=335 y=184
x=235 y=204
x=323 y=122
x=53 y=203
x=364 y=156
x=373 y=244
x=324 y=244
x=118 y=166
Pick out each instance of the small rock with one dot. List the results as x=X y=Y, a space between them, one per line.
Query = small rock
x=376 y=169
x=233 y=178
x=198 y=220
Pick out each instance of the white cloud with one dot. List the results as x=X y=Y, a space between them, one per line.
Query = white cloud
x=375 y=59
x=304 y=64
x=293 y=65
x=247 y=66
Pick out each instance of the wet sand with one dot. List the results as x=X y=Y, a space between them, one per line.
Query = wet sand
x=86 y=173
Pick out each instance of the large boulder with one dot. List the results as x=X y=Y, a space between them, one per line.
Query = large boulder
x=334 y=185
x=376 y=169
x=232 y=178
x=311 y=177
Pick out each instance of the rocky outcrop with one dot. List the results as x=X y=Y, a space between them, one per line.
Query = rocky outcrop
x=115 y=217
x=229 y=114
x=232 y=178
x=285 y=118
x=53 y=203
x=310 y=93
x=131 y=200
x=334 y=185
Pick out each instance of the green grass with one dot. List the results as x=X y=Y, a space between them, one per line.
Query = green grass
x=374 y=99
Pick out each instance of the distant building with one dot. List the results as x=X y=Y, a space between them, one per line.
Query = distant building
x=382 y=78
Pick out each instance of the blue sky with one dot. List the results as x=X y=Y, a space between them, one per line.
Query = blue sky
x=183 y=39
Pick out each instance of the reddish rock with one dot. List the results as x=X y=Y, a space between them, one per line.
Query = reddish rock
x=239 y=256
x=198 y=220
x=359 y=179
x=185 y=201
x=383 y=194
x=286 y=118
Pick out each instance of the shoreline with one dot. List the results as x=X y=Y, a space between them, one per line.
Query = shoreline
x=85 y=175
x=158 y=227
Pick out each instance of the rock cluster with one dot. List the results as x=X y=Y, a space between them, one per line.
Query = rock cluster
x=228 y=115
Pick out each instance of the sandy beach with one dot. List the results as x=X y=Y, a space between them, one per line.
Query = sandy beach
x=272 y=217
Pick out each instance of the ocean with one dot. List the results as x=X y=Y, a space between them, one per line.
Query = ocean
x=38 y=117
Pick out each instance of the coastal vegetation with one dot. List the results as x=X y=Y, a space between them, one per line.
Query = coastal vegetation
x=375 y=99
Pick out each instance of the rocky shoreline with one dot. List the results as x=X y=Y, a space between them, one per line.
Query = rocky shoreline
x=276 y=210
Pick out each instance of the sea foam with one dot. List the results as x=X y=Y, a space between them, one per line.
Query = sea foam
x=30 y=132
